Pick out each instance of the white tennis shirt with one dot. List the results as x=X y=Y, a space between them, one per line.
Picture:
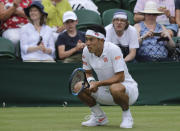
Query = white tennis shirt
x=110 y=62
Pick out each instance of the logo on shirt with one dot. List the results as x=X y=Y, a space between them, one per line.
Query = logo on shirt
x=117 y=57
x=105 y=59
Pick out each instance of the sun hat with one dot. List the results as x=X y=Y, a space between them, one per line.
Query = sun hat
x=151 y=8
x=36 y=4
x=120 y=14
x=69 y=15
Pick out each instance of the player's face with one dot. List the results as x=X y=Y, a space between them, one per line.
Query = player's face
x=119 y=24
x=92 y=43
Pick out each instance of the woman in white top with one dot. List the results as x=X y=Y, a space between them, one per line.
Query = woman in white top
x=36 y=42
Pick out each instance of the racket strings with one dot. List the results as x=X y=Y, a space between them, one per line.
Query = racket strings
x=78 y=77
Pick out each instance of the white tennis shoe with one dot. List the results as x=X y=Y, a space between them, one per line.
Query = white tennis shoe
x=127 y=122
x=95 y=121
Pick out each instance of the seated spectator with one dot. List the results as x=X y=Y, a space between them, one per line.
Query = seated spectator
x=152 y=36
x=123 y=34
x=55 y=10
x=71 y=42
x=36 y=40
x=178 y=15
x=83 y=4
x=13 y=18
x=167 y=19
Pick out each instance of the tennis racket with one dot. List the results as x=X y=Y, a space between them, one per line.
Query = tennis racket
x=78 y=75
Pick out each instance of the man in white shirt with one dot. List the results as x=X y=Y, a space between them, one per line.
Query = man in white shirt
x=123 y=35
x=115 y=85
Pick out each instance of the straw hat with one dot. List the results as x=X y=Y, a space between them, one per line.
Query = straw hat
x=151 y=8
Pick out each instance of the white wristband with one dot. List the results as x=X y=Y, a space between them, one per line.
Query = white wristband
x=89 y=79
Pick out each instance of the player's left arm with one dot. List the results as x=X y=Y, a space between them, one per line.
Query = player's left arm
x=116 y=78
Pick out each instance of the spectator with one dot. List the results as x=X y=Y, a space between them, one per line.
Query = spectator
x=36 y=40
x=152 y=47
x=83 y=4
x=167 y=19
x=71 y=42
x=178 y=15
x=13 y=18
x=123 y=35
x=55 y=10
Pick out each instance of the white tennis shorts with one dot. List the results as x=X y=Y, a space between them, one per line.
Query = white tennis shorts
x=103 y=95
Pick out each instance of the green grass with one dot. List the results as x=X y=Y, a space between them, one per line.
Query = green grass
x=146 y=118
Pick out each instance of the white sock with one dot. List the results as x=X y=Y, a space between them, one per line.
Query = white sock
x=97 y=110
x=127 y=113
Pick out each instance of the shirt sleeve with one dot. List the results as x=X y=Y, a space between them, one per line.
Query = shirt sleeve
x=51 y=42
x=24 y=39
x=134 y=43
x=171 y=7
x=108 y=33
x=117 y=59
x=177 y=4
x=61 y=40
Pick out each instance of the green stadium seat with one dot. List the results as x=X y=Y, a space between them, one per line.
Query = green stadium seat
x=131 y=5
x=104 y=5
x=125 y=4
x=87 y=17
x=7 y=49
x=108 y=15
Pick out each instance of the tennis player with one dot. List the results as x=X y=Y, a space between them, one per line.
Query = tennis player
x=115 y=86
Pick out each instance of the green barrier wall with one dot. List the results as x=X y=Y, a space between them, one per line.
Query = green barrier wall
x=46 y=84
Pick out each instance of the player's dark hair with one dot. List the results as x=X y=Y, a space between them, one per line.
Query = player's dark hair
x=97 y=28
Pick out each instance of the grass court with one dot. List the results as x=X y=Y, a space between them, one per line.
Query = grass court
x=146 y=118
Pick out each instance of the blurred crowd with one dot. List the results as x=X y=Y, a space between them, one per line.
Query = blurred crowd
x=46 y=30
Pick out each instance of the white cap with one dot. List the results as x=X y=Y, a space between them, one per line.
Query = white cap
x=69 y=15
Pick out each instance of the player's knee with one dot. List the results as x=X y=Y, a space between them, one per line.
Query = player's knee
x=117 y=89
